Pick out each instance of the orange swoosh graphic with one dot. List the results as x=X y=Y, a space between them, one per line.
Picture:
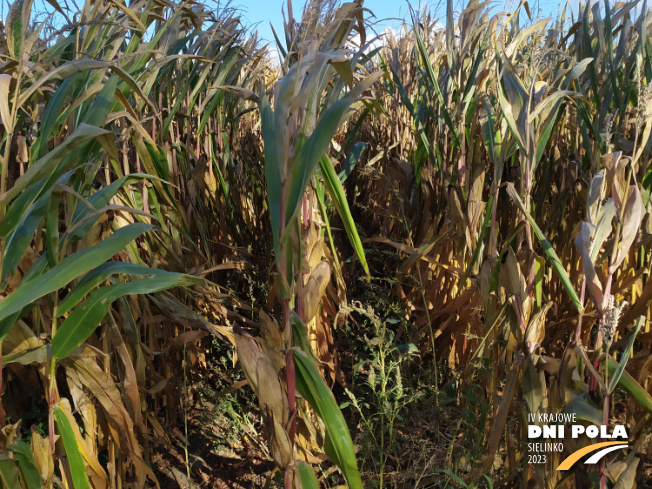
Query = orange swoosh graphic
x=574 y=457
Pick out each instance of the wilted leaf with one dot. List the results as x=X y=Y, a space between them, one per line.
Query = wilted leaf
x=594 y=286
x=535 y=331
x=5 y=111
x=631 y=223
x=18 y=22
x=627 y=479
x=315 y=288
x=40 y=447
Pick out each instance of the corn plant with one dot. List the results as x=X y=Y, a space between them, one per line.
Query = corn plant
x=154 y=145
x=72 y=239
x=297 y=134
x=498 y=112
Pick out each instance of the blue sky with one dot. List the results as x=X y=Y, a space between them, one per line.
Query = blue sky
x=387 y=12
x=262 y=12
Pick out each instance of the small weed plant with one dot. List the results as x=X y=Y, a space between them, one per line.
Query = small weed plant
x=381 y=395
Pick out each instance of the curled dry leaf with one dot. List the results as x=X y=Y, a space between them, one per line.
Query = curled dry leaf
x=631 y=222
x=249 y=354
x=615 y=173
x=83 y=369
x=279 y=442
x=271 y=341
x=42 y=456
x=515 y=286
x=595 y=196
x=627 y=478
x=315 y=288
x=536 y=331
x=5 y=112
x=272 y=396
x=593 y=284
x=271 y=392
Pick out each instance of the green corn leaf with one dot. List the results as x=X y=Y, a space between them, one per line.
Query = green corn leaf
x=631 y=386
x=547 y=249
x=351 y=160
x=338 y=444
x=612 y=70
x=17 y=209
x=300 y=336
x=490 y=484
x=577 y=70
x=548 y=125
x=585 y=113
x=27 y=465
x=433 y=80
x=282 y=50
x=310 y=154
x=151 y=159
x=17 y=23
x=336 y=191
x=75 y=458
x=100 y=274
x=85 y=218
x=8 y=472
x=512 y=102
x=216 y=94
x=319 y=191
x=588 y=46
x=54 y=110
x=49 y=162
x=273 y=162
x=451 y=49
x=52 y=228
x=21 y=237
x=490 y=138
x=102 y=104
x=417 y=121
x=583 y=407
x=457 y=479
x=180 y=97
x=159 y=161
x=81 y=323
x=69 y=269
x=618 y=373
x=35 y=270
x=352 y=134
x=78 y=66
x=306 y=476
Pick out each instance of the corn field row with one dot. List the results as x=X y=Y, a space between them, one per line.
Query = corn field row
x=487 y=174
